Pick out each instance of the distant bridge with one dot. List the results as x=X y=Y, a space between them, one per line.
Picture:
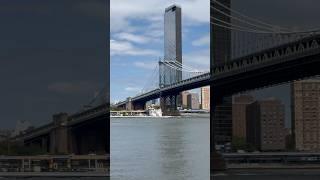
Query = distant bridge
x=81 y=133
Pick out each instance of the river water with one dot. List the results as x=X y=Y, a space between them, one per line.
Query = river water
x=160 y=148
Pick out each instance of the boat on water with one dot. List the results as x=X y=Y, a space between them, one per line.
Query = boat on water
x=155 y=112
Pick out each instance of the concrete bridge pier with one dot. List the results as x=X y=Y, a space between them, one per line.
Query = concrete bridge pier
x=129 y=105
x=59 y=136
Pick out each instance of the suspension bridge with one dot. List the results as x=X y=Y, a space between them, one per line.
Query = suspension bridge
x=246 y=54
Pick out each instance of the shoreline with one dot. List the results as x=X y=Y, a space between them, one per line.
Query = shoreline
x=141 y=116
x=180 y=116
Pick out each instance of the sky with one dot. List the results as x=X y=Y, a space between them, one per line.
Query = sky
x=137 y=41
x=52 y=57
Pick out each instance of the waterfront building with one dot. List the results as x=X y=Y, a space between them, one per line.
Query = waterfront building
x=184 y=97
x=193 y=101
x=305 y=99
x=265 y=125
x=239 y=106
x=205 y=98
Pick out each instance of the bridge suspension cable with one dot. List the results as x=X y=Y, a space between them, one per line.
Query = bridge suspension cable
x=263 y=28
x=186 y=66
x=152 y=80
x=231 y=26
x=257 y=21
x=172 y=65
x=266 y=29
x=181 y=67
x=176 y=66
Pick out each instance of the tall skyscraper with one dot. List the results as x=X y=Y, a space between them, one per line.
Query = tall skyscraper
x=239 y=106
x=205 y=98
x=265 y=125
x=172 y=55
x=305 y=101
x=172 y=43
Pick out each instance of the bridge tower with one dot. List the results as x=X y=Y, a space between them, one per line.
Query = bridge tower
x=172 y=53
x=220 y=37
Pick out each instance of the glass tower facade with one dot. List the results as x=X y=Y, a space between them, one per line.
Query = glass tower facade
x=172 y=45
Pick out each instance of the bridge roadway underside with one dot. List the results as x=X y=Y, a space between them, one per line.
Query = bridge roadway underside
x=91 y=136
x=255 y=79
x=140 y=103
x=81 y=138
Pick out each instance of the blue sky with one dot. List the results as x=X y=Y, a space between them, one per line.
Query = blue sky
x=137 y=40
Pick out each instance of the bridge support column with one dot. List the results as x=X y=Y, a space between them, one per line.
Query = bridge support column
x=169 y=104
x=59 y=136
x=129 y=106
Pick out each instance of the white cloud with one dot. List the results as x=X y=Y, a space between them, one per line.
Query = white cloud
x=132 y=38
x=126 y=32
x=121 y=48
x=202 y=41
x=132 y=89
x=122 y=11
